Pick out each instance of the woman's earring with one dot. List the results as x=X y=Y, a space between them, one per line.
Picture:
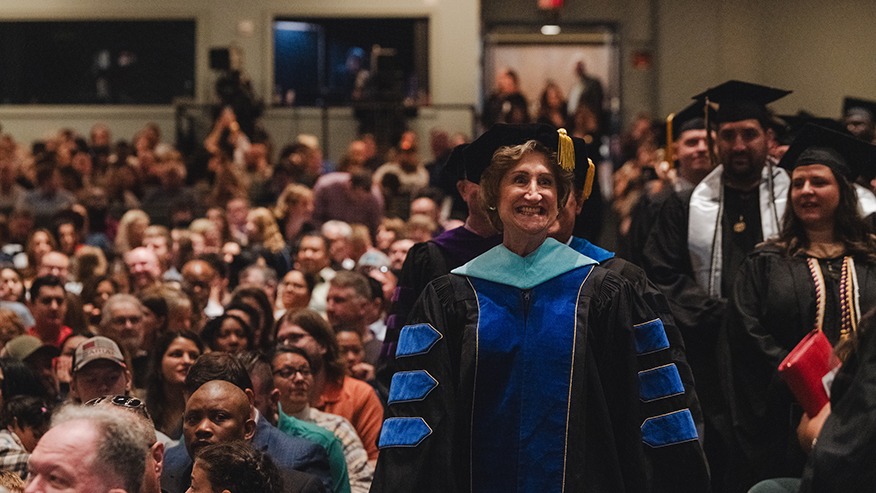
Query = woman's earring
x=492 y=208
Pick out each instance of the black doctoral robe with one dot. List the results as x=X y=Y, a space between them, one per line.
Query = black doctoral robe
x=773 y=307
x=425 y=261
x=466 y=439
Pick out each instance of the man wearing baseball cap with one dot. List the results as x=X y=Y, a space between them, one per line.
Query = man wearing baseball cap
x=99 y=369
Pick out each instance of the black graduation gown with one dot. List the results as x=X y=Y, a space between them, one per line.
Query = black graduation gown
x=609 y=420
x=698 y=315
x=773 y=307
x=642 y=220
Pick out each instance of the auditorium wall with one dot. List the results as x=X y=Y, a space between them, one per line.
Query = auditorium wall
x=821 y=50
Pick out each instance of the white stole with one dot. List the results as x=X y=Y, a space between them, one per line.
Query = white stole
x=866 y=201
x=704 y=224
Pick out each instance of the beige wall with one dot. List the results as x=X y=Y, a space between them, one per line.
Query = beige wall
x=822 y=50
x=453 y=43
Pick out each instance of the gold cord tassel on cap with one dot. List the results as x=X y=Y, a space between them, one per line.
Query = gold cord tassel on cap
x=667 y=156
x=588 y=182
x=566 y=151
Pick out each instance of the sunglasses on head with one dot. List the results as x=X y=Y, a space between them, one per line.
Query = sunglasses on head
x=130 y=403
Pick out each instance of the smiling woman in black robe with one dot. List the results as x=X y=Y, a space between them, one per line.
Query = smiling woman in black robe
x=824 y=247
x=530 y=368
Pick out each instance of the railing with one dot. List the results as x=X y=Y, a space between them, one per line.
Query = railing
x=335 y=126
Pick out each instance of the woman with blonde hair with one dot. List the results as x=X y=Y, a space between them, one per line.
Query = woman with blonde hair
x=389 y=231
x=130 y=233
x=266 y=241
x=294 y=210
x=211 y=233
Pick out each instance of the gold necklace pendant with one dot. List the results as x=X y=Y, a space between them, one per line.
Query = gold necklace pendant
x=740 y=225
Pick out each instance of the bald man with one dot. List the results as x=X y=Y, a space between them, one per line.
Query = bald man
x=198 y=278
x=219 y=412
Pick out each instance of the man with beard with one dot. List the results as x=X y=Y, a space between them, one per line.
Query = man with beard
x=701 y=237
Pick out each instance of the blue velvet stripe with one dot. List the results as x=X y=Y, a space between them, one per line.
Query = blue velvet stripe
x=416 y=339
x=650 y=337
x=660 y=382
x=403 y=432
x=409 y=386
x=669 y=429
x=523 y=374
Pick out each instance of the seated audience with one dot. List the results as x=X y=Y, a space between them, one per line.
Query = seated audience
x=290 y=454
x=219 y=412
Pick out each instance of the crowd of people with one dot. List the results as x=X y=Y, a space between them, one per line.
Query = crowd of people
x=240 y=319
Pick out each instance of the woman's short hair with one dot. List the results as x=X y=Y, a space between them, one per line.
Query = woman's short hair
x=292 y=196
x=506 y=158
x=268 y=229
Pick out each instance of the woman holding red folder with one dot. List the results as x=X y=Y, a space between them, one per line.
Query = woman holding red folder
x=819 y=274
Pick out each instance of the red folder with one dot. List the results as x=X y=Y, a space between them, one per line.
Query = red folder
x=804 y=369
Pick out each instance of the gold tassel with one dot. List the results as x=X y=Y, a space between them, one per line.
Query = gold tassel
x=566 y=151
x=667 y=156
x=588 y=182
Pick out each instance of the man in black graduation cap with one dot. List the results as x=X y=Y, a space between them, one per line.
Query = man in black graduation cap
x=701 y=237
x=691 y=163
x=859 y=117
